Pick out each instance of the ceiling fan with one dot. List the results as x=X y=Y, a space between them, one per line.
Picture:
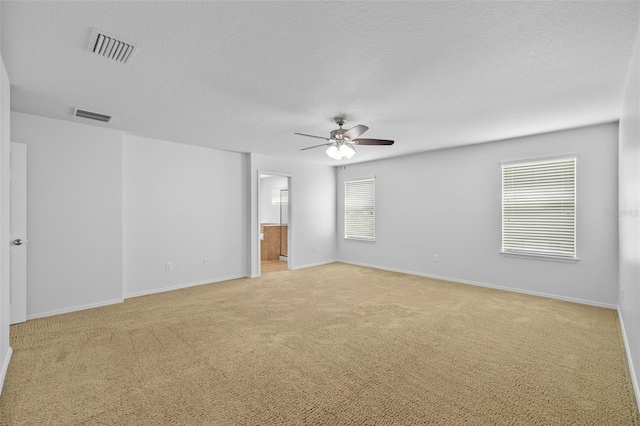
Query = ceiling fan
x=341 y=142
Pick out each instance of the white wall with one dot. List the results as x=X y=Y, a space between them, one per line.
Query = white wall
x=312 y=203
x=74 y=219
x=629 y=220
x=181 y=204
x=5 y=209
x=448 y=203
x=268 y=212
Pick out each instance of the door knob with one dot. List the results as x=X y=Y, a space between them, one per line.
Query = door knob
x=19 y=242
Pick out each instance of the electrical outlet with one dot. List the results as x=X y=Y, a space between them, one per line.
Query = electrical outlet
x=314 y=249
x=436 y=258
x=622 y=293
x=169 y=267
x=206 y=261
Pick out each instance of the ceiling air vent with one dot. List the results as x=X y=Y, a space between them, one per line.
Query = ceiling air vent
x=111 y=47
x=91 y=115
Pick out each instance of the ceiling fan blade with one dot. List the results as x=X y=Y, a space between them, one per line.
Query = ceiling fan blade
x=354 y=132
x=372 y=142
x=312 y=136
x=315 y=146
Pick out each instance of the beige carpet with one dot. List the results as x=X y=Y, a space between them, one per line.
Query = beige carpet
x=330 y=345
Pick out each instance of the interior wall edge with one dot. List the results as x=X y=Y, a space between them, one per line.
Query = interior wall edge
x=5 y=367
x=628 y=221
x=627 y=349
x=5 y=212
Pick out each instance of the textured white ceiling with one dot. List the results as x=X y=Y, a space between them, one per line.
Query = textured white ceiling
x=244 y=76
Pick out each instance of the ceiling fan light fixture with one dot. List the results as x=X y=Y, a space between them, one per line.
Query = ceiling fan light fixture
x=347 y=151
x=334 y=152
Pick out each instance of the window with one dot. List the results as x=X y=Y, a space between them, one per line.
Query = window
x=279 y=196
x=360 y=209
x=539 y=209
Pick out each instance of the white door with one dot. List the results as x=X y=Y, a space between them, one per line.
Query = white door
x=18 y=287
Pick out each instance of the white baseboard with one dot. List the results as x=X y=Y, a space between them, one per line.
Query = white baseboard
x=180 y=286
x=74 y=309
x=497 y=287
x=632 y=371
x=5 y=367
x=309 y=265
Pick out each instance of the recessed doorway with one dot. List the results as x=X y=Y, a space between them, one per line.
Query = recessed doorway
x=273 y=218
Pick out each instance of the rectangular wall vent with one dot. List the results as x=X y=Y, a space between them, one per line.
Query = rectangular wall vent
x=111 y=47
x=91 y=115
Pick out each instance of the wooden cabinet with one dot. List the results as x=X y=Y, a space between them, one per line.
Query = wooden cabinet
x=284 y=240
x=274 y=244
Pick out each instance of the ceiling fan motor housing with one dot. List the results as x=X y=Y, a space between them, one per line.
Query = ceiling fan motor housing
x=337 y=134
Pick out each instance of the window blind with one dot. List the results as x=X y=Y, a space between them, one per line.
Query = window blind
x=539 y=208
x=360 y=209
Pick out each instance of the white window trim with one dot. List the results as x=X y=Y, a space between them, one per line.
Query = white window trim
x=532 y=256
x=542 y=256
x=360 y=239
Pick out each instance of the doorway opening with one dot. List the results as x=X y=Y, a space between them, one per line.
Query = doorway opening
x=273 y=218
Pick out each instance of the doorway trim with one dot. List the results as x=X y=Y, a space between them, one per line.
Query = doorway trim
x=290 y=248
